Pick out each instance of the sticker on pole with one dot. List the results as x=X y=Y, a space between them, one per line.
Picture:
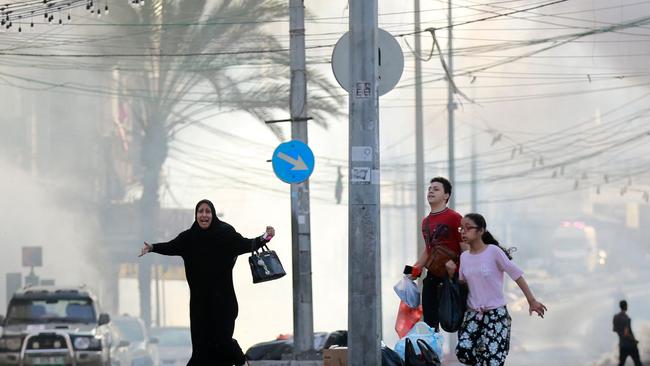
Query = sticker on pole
x=293 y=161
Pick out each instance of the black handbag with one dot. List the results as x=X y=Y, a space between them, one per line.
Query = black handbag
x=390 y=357
x=430 y=356
x=410 y=357
x=265 y=265
x=427 y=356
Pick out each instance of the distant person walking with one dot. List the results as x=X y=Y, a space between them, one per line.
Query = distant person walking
x=484 y=337
x=627 y=344
x=209 y=249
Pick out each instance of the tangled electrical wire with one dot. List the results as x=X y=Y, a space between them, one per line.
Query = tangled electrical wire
x=24 y=12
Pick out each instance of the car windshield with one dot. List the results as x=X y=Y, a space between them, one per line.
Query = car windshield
x=40 y=311
x=173 y=337
x=130 y=329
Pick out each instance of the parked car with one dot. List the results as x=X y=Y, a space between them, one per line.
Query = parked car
x=131 y=344
x=174 y=345
x=55 y=326
x=282 y=348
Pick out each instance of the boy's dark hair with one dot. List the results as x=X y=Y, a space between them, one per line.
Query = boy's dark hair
x=623 y=305
x=446 y=184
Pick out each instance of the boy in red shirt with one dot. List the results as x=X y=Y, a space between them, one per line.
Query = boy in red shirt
x=440 y=227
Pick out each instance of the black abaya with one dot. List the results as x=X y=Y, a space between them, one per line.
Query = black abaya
x=209 y=256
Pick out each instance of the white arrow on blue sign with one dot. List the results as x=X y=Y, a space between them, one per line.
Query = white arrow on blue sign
x=293 y=161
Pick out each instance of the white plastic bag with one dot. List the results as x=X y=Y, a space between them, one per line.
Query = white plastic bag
x=407 y=290
x=421 y=331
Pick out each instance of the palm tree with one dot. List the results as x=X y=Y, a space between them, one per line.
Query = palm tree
x=192 y=71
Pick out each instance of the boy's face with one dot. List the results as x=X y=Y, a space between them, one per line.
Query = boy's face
x=436 y=194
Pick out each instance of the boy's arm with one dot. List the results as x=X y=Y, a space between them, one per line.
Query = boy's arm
x=416 y=269
x=422 y=260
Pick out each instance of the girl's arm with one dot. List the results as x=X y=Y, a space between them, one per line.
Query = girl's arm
x=451 y=271
x=506 y=265
x=533 y=304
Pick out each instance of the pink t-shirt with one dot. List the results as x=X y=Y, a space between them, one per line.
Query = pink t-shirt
x=483 y=273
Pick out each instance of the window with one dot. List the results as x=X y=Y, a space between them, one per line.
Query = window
x=51 y=311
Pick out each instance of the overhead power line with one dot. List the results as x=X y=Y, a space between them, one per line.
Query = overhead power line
x=258 y=51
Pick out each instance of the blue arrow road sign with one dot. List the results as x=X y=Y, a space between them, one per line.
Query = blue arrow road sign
x=293 y=161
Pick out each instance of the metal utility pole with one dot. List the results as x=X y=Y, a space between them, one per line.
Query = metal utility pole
x=364 y=266
x=451 y=105
x=303 y=314
x=419 y=131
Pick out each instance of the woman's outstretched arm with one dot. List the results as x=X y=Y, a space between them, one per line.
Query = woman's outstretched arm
x=241 y=245
x=172 y=247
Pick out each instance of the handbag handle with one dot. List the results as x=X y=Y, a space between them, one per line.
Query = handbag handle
x=429 y=355
x=411 y=358
x=263 y=248
x=409 y=352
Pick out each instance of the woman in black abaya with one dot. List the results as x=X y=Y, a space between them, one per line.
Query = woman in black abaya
x=209 y=249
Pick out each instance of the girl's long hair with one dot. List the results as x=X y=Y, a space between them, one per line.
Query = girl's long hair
x=487 y=237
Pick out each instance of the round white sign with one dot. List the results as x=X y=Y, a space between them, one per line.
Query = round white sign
x=391 y=61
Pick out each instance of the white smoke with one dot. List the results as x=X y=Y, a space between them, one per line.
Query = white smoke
x=33 y=215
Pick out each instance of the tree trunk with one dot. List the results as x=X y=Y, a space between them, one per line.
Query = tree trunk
x=154 y=153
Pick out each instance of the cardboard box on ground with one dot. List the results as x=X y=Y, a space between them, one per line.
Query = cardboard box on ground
x=335 y=356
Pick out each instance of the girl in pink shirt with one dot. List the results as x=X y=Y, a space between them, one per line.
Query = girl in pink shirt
x=484 y=337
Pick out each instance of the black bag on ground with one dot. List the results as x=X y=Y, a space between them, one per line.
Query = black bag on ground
x=427 y=356
x=430 y=356
x=390 y=357
x=451 y=306
x=410 y=357
x=265 y=265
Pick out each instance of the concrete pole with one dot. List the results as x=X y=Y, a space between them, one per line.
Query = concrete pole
x=419 y=133
x=451 y=106
x=303 y=314
x=364 y=272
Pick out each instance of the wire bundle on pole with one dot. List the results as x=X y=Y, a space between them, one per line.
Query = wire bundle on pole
x=52 y=11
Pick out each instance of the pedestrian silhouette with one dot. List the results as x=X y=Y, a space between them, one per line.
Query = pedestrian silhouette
x=627 y=344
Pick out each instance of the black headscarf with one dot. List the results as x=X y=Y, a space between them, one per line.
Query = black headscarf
x=212 y=231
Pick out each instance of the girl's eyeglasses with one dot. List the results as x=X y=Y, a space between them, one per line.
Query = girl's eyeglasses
x=466 y=229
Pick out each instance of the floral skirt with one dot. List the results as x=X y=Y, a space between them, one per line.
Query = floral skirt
x=484 y=337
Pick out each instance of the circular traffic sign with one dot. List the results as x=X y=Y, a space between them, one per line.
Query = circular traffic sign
x=390 y=59
x=293 y=161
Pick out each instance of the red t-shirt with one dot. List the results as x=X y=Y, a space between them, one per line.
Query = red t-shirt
x=442 y=228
